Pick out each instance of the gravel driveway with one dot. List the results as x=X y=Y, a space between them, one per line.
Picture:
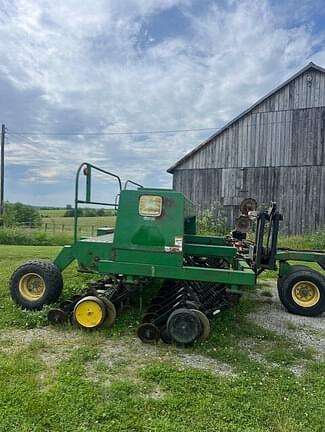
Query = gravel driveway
x=305 y=332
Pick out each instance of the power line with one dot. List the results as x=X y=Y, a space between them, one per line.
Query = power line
x=233 y=125
x=28 y=140
x=112 y=133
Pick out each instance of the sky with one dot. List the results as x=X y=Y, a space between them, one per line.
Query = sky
x=100 y=67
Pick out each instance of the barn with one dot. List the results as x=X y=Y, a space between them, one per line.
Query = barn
x=273 y=151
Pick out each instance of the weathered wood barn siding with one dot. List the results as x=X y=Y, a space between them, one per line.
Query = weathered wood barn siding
x=273 y=151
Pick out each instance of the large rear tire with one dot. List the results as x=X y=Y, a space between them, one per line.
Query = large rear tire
x=302 y=292
x=292 y=269
x=35 y=284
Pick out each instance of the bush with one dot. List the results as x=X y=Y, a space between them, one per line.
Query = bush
x=70 y=211
x=209 y=223
x=21 y=214
x=89 y=212
x=100 y=212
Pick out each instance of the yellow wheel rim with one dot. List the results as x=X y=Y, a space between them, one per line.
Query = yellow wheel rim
x=89 y=312
x=32 y=286
x=305 y=294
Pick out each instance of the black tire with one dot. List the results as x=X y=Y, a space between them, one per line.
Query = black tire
x=288 y=292
x=280 y=279
x=49 y=278
x=184 y=326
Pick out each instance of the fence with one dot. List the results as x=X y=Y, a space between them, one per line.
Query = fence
x=55 y=228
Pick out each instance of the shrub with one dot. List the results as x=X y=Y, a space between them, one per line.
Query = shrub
x=21 y=214
x=70 y=211
x=210 y=223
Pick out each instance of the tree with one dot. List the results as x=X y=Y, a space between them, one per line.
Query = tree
x=100 y=212
x=90 y=212
x=69 y=212
x=21 y=214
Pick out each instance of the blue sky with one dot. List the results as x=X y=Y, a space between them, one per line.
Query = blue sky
x=136 y=65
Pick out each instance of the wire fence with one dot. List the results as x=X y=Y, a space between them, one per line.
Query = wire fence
x=56 y=228
x=53 y=227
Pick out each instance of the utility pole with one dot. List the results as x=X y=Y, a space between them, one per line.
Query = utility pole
x=2 y=167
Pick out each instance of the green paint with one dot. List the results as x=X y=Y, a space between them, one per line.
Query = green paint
x=154 y=246
x=155 y=229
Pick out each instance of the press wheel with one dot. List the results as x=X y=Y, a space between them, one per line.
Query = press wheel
x=148 y=333
x=110 y=313
x=89 y=312
x=205 y=324
x=184 y=326
x=57 y=316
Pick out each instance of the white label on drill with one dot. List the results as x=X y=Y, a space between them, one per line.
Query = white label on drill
x=173 y=249
x=179 y=242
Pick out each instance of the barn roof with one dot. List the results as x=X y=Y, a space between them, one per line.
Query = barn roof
x=309 y=66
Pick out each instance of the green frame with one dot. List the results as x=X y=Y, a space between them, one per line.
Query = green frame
x=284 y=256
x=147 y=247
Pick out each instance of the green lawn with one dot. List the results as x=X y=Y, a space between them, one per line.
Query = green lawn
x=73 y=384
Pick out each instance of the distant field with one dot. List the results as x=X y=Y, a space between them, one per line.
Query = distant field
x=53 y=221
x=52 y=213
x=87 y=225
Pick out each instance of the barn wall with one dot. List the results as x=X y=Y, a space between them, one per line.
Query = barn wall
x=283 y=138
x=306 y=91
x=299 y=192
x=286 y=129
x=276 y=151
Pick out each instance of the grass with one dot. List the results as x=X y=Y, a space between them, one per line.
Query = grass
x=59 y=212
x=65 y=383
x=192 y=400
x=315 y=241
x=36 y=237
x=55 y=231
x=85 y=224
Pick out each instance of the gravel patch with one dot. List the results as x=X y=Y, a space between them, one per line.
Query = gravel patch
x=131 y=355
x=304 y=332
x=202 y=362
x=127 y=354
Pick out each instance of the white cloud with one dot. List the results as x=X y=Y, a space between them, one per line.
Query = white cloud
x=79 y=66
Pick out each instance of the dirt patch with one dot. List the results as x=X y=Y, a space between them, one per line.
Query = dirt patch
x=128 y=356
x=202 y=362
x=52 y=344
x=256 y=351
x=125 y=356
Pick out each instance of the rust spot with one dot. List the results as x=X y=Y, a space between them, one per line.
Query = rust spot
x=167 y=203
